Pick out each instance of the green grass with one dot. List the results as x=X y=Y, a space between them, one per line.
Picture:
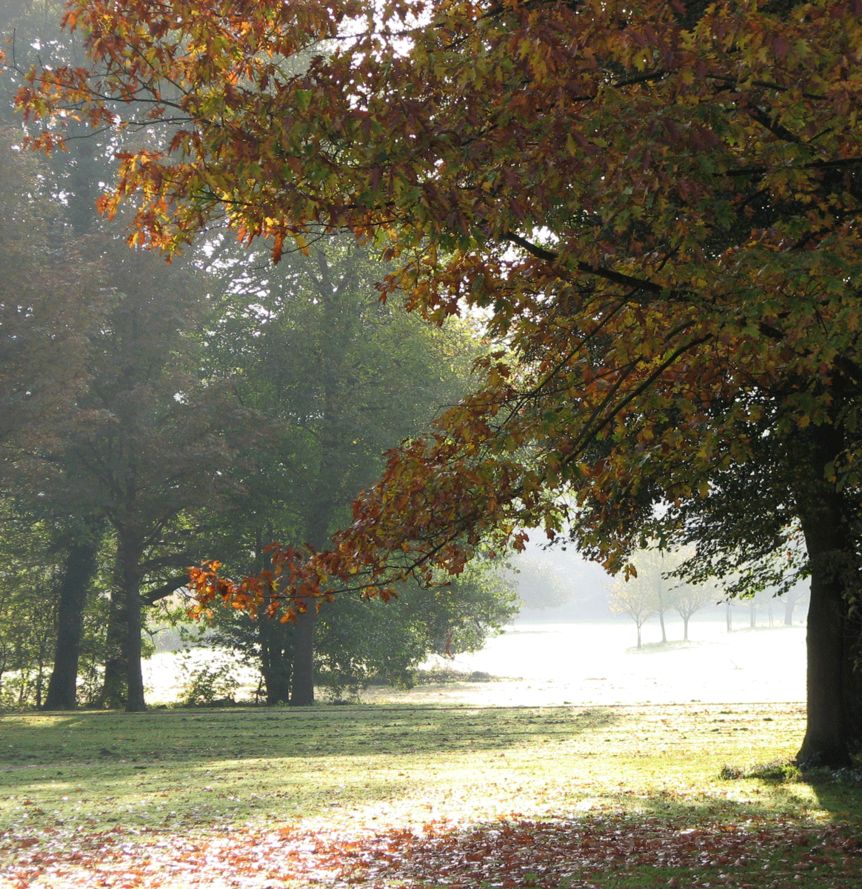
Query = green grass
x=196 y=774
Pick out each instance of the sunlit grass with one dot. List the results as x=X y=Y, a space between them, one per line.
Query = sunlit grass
x=395 y=765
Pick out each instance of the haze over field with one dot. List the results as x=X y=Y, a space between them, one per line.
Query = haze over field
x=537 y=663
x=567 y=648
x=595 y=663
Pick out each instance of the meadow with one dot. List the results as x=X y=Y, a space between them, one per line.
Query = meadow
x=688 y=795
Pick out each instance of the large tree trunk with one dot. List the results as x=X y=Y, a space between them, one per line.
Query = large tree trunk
x=274 y=637
x=113 y=693
x=302 y=680
x=276 y=658
x=77 y=575
x=123 y=685
x=832 y=681
x=328 y=484
x=129 y=551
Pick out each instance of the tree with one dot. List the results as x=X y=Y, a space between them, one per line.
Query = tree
x=635 y=598
x=27 y=567
x=689 y=598
x=43 y=351
x=656 y=203
x=793 y=597
x=50 y=299
x=379 y=377
x=156 y=439
x=655 y=588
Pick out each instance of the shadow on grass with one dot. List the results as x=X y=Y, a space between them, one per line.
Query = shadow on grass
x=203 y=735
x=197 y=768
x=616 y=851
x=838 y=792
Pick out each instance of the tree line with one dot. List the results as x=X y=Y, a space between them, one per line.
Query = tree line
x=654 y=205
x=158 y=415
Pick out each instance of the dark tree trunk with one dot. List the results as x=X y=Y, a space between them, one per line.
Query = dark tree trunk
x=302 y=680
x=114 y=683
x=129 y=551
x=124 y=685
x=831 y=684
x=276 y=658
x=274 y=637
x=277 y=679
x=77 y=575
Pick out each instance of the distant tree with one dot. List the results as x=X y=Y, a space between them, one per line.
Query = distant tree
x=640 y=595
x=540 y=585
x=689 y=598
x=656 y=588
x=795 y=596
x=683 y=595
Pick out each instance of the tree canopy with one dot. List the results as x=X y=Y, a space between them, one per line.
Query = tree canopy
x=655 y=204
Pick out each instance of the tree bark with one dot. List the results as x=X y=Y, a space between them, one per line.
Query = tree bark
x=129 y=551
x=114 y=682
x=276 y=658
x=123 y=685
x=302 y=680
x=77 y=575
x=830 y=681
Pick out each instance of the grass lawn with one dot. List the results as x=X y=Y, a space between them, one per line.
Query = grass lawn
x=398 y=796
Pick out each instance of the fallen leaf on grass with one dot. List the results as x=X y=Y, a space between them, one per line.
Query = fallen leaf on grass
x=514 y=854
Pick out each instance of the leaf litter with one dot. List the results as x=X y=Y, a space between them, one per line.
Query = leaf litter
x=585 y=853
